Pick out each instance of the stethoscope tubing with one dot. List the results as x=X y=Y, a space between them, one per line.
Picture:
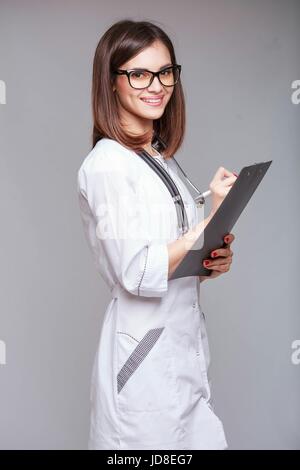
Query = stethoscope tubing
x=173 y=189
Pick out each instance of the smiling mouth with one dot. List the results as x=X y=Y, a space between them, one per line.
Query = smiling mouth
x=152 y=101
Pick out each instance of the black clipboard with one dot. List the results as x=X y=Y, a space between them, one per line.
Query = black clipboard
x=222 y=222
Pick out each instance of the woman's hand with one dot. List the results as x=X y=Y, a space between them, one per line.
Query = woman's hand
x=221 y=259
x=220 y=186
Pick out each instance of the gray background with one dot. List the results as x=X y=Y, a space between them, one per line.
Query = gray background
x=239 y=58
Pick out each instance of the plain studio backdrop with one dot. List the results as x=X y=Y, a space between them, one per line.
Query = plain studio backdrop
x=239 y=59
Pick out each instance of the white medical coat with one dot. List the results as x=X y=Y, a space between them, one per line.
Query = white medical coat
x=149 y=387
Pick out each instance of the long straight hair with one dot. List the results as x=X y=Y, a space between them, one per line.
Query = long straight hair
x=122 y=41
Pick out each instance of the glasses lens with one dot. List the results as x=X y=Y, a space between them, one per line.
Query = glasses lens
x=169 y=76
x=142 y=78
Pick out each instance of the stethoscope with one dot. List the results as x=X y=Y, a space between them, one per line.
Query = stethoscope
x=159 y=145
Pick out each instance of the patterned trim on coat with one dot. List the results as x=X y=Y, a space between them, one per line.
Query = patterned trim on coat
x=138 y=355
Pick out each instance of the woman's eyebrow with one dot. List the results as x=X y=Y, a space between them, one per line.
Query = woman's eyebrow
x=144 y=68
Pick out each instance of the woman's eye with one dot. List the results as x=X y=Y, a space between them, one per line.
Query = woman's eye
x=137 y=74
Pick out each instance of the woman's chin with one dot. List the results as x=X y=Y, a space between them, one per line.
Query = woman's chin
x=152 y=113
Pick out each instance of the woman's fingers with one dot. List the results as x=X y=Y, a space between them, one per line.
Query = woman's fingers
x=229 y=181
x=214 y=264
x=221 y=173
x=220 y=188
x=220 y=256
x=222 y=268
x=221 y=252
x=229 y=238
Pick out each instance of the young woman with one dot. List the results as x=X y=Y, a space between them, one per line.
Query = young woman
x=150 y=388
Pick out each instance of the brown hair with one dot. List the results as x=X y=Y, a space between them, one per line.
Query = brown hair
x=122 y=41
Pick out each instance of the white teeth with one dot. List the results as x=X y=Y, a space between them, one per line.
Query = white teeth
x=153 y=101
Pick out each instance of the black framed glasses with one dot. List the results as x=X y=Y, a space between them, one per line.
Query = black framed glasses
x=142 y=78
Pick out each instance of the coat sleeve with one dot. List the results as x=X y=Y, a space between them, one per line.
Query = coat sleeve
x=138 y=262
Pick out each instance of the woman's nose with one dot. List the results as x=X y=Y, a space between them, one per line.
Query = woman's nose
x=155 y=85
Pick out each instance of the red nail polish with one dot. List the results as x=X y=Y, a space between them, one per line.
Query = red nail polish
x=226 y=239
x=206 y=263
x=214 y=254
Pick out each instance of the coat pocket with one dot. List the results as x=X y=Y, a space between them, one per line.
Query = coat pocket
x=145 y=379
